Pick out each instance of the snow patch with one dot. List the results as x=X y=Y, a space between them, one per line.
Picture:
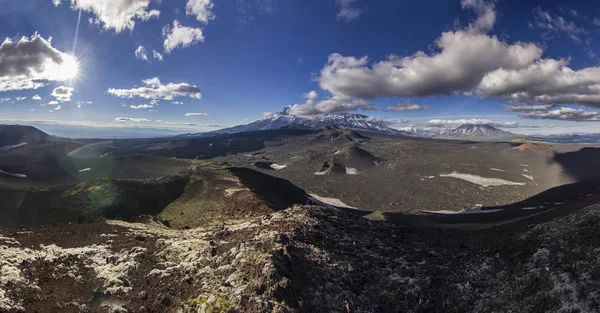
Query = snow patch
x=482 y=181
x=527 y=176
x=329 y=202
x=85 y=170
x=531 y=208
x=497 y=169
x=4 y=148
x=277 y=167
x=17 y=175
x=351 y=171
x=476 y=210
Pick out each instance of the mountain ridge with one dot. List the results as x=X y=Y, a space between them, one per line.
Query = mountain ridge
x=283 y=118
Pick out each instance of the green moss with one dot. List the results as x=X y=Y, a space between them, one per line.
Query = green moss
x=103 y=194
x=278 y=307
x=198 y=301
x=220 y=306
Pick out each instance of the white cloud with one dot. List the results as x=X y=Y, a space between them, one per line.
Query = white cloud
x=116 y=14
x=53 y=102
x=154 y=82
x=333 y=104
x=196 y=114
x=131 y=119
x=181 y=36
x=57 y=108
x=180 y=123
x=201 y=9
x=20 y=98
x=464 y=61
x=56 y=2
x=347 y=12
x=177 y=102
x=565 y=114
x=546 y=81
x=5 y=99
x=31 y=62
x=528 y=108
x=141 y=106
x=140 y=53
x=36 y=97
x=486 y=14
x=406 y=106
x=458 y=122
x=555 y=23
x=154 y=101
x=157 y=55
x=154 y=89
x=311 y=95
x=62 y=93
x=461 y=64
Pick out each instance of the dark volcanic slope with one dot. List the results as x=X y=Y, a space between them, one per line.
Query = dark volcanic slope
x=16 y=134
x=396 y=173
x=199 y=194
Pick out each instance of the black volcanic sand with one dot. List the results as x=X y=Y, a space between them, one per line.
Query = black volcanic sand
x=407 y=177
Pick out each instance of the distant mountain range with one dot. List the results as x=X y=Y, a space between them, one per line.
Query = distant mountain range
x=284 y=119
x=467 y=132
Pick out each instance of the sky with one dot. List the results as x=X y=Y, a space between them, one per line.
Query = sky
x=201 y=65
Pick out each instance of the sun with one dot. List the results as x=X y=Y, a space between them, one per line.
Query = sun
x=69 y=69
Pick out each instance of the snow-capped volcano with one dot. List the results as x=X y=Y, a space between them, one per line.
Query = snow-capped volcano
x=284 y=119
x=478 y=131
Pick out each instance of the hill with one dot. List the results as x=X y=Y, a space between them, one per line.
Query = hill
x=15 y=135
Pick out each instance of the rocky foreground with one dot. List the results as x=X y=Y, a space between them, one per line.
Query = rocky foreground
x=302 y=259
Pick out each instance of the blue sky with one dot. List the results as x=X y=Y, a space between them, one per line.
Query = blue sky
x=234 y=60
